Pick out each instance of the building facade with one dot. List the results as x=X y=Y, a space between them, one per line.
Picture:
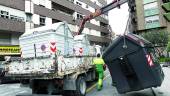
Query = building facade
x=148 y=15
x=18 y=16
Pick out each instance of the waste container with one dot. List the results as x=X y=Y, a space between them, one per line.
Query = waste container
x=132 y=64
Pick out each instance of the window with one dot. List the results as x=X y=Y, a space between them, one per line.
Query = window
x=87 y=6
x=12 y=17
x=79 y=16
x=16 y=18
x=21 y=19
x=148 y=1
x=71 y=1
x=42 y=20
x=29 y=18
x=4 y=14
x=78 y=3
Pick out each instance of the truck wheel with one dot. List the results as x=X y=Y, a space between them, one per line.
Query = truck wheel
x=35 y=87
x=81 y=87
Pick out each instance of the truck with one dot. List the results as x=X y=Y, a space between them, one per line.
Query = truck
x=54 y=61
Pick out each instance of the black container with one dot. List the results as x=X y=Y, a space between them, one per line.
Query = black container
x=132 y=64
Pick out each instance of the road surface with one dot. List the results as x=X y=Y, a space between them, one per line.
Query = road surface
x=108 y=90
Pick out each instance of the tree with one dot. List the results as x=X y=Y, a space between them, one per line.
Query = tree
x=168 y=47
x=158 y=38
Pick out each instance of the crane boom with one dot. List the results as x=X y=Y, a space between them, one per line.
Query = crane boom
x=98 y=12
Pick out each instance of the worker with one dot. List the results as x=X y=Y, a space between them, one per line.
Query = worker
x=99 y=63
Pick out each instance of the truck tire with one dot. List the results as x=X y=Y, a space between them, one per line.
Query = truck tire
x=80 y=87
x=35 y=86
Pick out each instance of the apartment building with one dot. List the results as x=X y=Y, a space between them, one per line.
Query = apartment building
x=148 y=15
x=18 y=16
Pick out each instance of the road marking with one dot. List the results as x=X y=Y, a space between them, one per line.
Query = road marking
x=22 y=92
x=93 y=86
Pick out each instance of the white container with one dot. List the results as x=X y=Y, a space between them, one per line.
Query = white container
x=39 y=41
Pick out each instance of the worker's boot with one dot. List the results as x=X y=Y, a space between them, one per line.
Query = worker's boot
x=99 y=87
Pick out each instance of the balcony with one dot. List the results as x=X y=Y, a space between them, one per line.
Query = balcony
x=165 y=1
x=90 y=3
x=166 y=7
x=17 y=4
x=103 y=2
x=55 y=14
x=58 y=15
x=99 y=39
x=10 y=25
x=61 y=8
x=64 y=3
x=167 y=16
x=79 y=9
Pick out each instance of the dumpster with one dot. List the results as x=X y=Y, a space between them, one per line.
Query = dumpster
x=132 y=63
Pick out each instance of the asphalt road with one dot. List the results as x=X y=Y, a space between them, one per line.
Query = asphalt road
x=13 y=90
x=108 y=89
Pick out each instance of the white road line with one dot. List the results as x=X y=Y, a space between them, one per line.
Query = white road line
x=22 y=92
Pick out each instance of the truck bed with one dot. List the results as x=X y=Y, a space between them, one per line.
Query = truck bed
x=46 y=68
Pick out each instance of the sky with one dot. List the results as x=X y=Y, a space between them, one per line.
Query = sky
x=118 y=18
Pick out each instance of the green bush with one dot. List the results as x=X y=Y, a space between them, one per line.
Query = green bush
x=161 y=59
x=164 y=59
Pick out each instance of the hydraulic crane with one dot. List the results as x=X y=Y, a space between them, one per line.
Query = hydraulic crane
x=127 y=63
x=98 y=12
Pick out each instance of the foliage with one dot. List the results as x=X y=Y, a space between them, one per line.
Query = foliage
x=168 y=47
x=164 y=59
x=158 y=38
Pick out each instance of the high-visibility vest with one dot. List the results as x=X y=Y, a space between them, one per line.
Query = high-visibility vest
x=99 y=62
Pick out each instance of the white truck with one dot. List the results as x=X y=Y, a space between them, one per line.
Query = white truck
x=54 y=61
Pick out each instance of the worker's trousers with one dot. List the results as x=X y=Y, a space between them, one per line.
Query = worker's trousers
x=100 y=79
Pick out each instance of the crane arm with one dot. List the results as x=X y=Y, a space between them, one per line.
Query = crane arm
x=98 y=12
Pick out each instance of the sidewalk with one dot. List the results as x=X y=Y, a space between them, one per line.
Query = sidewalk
x=164 y=90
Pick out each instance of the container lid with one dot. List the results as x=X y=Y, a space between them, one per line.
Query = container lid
x=139 y=40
